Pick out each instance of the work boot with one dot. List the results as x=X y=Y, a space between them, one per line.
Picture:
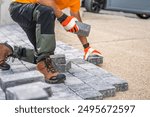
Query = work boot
x=52 y=76
x=6 y=51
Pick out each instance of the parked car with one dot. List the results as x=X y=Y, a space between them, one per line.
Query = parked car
x=139 y=7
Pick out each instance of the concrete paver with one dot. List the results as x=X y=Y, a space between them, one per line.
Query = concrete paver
x=23 y=92
x=20 y=78
x=2 y=95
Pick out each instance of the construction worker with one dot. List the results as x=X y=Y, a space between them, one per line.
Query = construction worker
x=37 y=19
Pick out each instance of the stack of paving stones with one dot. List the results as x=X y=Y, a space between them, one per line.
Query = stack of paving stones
x=84 y=80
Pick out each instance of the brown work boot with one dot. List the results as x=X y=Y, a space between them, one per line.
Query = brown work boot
x=5 y=51
x=50 y=73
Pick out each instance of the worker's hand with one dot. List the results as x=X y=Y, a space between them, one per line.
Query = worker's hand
x=90 y=51
x=69 y=23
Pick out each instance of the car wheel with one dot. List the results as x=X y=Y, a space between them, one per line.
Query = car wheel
x=82 y=3
x=143 y=16
x=94 y=5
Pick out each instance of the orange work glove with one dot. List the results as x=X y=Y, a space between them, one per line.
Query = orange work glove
x=90 y=51
x=69 y=23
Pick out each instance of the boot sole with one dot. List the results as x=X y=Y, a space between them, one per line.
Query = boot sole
x=5 y=67
x=57 y=81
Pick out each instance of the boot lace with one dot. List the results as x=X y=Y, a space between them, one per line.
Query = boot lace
x=7 y=58
x=49 y=65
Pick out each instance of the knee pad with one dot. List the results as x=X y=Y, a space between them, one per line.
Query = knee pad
x=46 y=45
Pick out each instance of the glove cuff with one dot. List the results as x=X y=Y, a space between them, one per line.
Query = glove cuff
x=62 y=18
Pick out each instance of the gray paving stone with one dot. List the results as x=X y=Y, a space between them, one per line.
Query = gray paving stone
x=20 y=78
x=65 y=47
x=68 y=74
x=79 y=55
x=20 y=43
x=2 y=95
x=90 y=94
x=121 y=85
x=106 y=89
x=65 y=95
x=24 y=92
x=19 y=68
x=58 y=50
x=95 y=59
x=72 y=50
x=29 y=66
x=71 y=80
x=85 y=91
x=65 y=98
x=84 y=29
x=62 y=92
x=73 y=54
x=82 y=74
x=78 y=87
x=101 y=81
x=42 y=85
x=60 y=43
x=58 y=59
x=4 y=73
x=103 y=87
x=85 y=76
x=6 y=32
x=13 y=61
x=97 y=71
x=88 y=66
x=14 y=37
x=95 y=82
x=69 y=56
x=58 y=87
x=75 y=69
x=63 y=67
x=84 y=64
x=78 y=61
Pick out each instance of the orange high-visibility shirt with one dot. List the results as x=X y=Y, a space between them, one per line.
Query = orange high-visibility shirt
x=74 y=5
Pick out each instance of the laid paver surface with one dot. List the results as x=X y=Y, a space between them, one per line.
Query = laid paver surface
x=124 y=41
x=84 y=80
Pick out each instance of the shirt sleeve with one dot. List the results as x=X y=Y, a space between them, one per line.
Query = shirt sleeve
x=75 y=6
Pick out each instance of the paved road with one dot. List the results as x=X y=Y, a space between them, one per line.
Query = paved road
x=124 y=41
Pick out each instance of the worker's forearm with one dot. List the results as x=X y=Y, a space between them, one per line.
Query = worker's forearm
x=51 y=3
x=81 y=38
x=76 y=15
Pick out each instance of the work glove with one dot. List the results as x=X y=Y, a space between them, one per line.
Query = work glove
x=90 y=52
x=69 y=23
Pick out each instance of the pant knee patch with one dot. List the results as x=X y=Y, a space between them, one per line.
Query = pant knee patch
x=46 y=44
x=44 y=16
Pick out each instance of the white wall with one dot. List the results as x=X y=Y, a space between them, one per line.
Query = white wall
x=4 y=13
